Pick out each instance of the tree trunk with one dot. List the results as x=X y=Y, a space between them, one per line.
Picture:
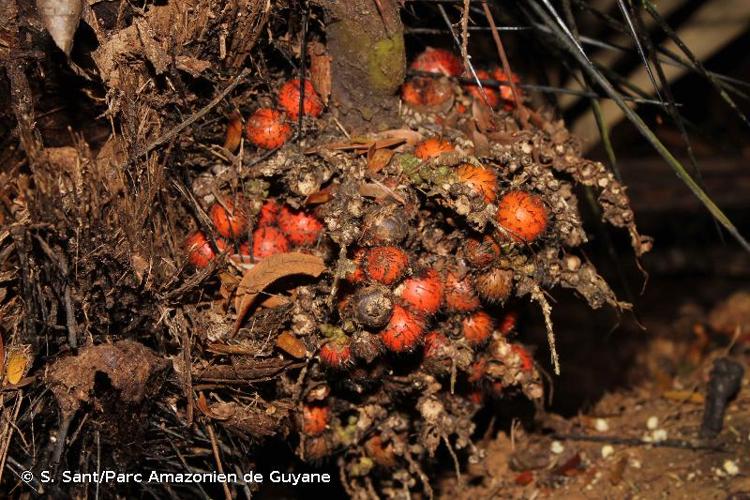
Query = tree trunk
x=366 y=43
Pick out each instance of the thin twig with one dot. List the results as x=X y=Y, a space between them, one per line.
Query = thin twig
x=172 y=133
x=217 y=457
x=667 y=443
x=522 y=111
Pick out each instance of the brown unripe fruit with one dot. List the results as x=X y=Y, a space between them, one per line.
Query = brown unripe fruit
x=373 y=306
x=494 y=285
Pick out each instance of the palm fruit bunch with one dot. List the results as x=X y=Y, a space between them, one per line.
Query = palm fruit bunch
x=432 y=234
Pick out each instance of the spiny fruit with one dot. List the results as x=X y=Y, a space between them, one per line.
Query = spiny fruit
x=229 y=220
x=508 y=323
x=269 y=213
x=357 y=275
x=426 y=92
x=494 y=285
x=477 y=370
x=385 y=226
x=373 y=306
x=438 y=61
x=477 y=328
x=459 y=293
x=432 y=147
x=336 y=353
x=404 y=330
x=289 y=96
x=422 y=294
x=481 y=253
x=199 y=249
x=386 y=264
x=268 y=129
x=506 y=91
x=379 y=453
x=492 y=95
x=527 y=363
x=522 y=215
x=300 y=227
x=480 y=179
x=315 y=419
x=433 y=342
x=268 y=241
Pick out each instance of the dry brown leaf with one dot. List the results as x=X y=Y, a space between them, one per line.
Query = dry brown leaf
x=234 y=132
x=269 y=270
x=291 y=345
x=320 y=70
x=219 y=411
x=482 y=115
x=2 y=342
x=379 y=159
x=133 y=370
x=323 y=196
x=481 y=143
x=18 y=364
x=411 y=137
x=192 y=65
x=61 y=18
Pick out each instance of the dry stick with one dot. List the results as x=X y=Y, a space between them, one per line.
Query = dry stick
x=6 y=440
x=215 y=449
x=522 y=111
x=171 y=134
x=467 y=63
x=538 y=296
x=465 y=31
x=188 y=375
x=62 y=265
x=667 y=443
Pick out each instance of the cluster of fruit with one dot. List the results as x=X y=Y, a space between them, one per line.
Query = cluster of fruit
x=279 y=228
x=428 y=92
x=269 y=128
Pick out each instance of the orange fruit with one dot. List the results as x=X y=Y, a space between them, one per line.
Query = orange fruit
x=522 y=215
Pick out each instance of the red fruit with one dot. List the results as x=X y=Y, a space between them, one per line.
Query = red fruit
x=438 y=61
x=379 y=453
x=337 y=353
x=315 y=419
x=432 y=147
x=477 y=370
x=476 y=396
x=422 y=294
x=386 y=264
x=229 y=221
x=404 y=330
x=199 y=250
x=508 y=323
x=522 y=215
x=477 y=328
x=433 y=341
x=481 y=253
x=289 y=96
x=301 y=228
x=480 y=179
x=492 y=95
x=269 y=213
x=459 y=293
x=267 y=128
x=358 y=275
x=268 y=241
x=421 y=92
x=244 y=252
x=527 y=363
x=506 y=91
